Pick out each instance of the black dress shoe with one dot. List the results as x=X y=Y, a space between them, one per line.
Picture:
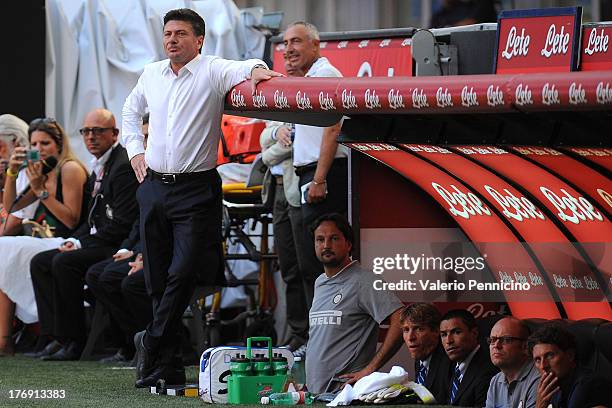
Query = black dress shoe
x=144 y=363
x=121 y=356
x=70 y=352
x=51 y=348
x=170 y=374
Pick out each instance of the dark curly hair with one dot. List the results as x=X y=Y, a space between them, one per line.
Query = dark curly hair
x=552 y=334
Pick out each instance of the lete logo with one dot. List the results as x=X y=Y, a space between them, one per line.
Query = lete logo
x=570 y=208
x=514 y=207
x=556 y=43
x=348 y=100
x=419 y=99
x=550 y=95
x=523 y=96
x=259 y=100
x=461 y=204
x=237 y=99
x=598 y=43
x=302 y=100
x=396 y=101
x=468 y=97
x=443 y=98
x=371 y=99
x=280 y=100
x=516 y=45
x=326 y=102
x=494 y=96
x=577 y=95
x=604 y=95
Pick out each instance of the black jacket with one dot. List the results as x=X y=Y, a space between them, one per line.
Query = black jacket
x=115 y=207
x=473 y=388
x=438 y=374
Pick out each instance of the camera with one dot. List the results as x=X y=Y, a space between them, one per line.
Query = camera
x=32 y=155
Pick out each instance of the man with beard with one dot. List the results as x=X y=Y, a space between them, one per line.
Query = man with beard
x=346 y=313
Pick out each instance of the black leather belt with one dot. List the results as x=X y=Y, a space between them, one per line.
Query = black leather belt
x=172 y=178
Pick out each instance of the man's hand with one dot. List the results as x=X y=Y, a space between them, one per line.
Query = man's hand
x=317 y=192
x=354 y=377
x=136 y=265
x=67 y=247
x=122 y=254
x=140 y=166
x=546 y=389
x=283 y=135
x=261 y=74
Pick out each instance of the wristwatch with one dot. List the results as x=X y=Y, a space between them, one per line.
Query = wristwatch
x=43 y=195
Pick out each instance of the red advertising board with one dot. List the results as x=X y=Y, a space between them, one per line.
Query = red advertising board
x=539 y=40
x=577 y=216
x=601 y=157
x=594 y=184
x=478 y=222
x=551 y=247
x=596 y=54
x=380 y=57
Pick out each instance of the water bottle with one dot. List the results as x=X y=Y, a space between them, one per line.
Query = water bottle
x=279 y=364
x=261 y=365
x=240 y=366
x=288 y=398
x=298 y=373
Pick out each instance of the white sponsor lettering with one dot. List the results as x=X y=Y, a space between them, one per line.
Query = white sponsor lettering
x=384 y=43
x=516 y=45
x=323 y=44
x=326 y=317
x=494 y=96
x=570 y=208
x=598 y=43
x=605 y=195
x=363 y=43
x=461 y=204
x=577 y=95
x=396 y=100
x=419 y=99
x=348 y=100
x=259 y=100
x=517 y=208
x=523 y=96
x=371 y=99
x=407 y=41
x=280 y=100
x=550 y=95
x=326 y=102
x=342 y=44
x=469 y=97
x=604 y=95
x=556 y=43
x=302 y=100
x=443 y=98
x=237 y=99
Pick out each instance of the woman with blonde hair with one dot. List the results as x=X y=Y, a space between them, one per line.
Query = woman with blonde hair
x=53 y=196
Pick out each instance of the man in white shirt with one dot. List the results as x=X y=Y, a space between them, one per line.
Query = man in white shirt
x=320 y=162
x=180 y=195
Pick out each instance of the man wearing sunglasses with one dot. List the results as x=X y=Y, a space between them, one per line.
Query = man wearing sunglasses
x=516 y=386
x=58 y=274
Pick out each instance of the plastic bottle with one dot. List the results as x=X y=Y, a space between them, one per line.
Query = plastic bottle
x=240 y=366
x=288 y=398
x=279 y=364
x=261 y=365
x=298 y=373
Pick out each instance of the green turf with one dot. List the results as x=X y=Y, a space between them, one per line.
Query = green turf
x=86 y=384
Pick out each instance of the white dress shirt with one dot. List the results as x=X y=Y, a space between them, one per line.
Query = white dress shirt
x=307 y=143
x=185 y=112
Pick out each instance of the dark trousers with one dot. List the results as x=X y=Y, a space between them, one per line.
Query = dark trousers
x=109 y=281
x=58 y=279
x=180 y=231
x=287 y=224
x=336 y=201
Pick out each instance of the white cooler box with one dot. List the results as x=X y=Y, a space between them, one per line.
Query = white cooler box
x=215 y=370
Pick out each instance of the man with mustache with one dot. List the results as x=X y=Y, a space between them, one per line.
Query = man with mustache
x=517 y=383
x=320 y=162
x=471 y=367
x=346 y=313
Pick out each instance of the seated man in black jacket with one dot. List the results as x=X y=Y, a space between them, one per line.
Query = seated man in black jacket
x=432 y=368
x=471 y=365
x=58 y=275
x=563 y=383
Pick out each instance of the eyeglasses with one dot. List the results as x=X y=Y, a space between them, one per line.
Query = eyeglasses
x=503 y=340
x=97 y=131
